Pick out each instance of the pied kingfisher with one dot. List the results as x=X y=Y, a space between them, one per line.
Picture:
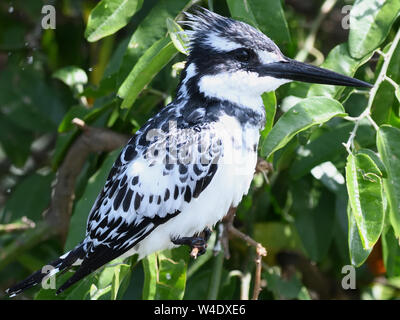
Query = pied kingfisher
x=182 y=171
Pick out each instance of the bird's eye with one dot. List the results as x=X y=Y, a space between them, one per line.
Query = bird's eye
x=242 y=55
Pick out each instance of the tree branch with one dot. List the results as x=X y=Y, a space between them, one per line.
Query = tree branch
x=230 y=230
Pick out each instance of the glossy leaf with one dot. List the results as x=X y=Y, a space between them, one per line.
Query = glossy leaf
x=365 y=189
x=370 y=23
x=150 y=277
x=121 y=277
x=109 y=16
x=71 y=76
x=326 y=147
x=165 y=274
x=385 y=102
x=269 y=100
x=376 y=159
x=388 y=142
x=358 y=254
x=178 y=36
x=150 y=30
x=152 y=61
x=305 y=114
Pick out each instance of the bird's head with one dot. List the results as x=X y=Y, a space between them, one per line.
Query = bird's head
x=231 y=60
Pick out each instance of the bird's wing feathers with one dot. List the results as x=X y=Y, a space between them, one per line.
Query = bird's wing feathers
x=168 y=162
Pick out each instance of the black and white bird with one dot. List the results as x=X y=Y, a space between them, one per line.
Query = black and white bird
x=182 y=171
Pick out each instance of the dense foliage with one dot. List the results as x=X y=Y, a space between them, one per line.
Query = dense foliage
x=331 y=200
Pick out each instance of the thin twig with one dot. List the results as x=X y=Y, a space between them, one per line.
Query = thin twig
x=260 y=250
x=381 y=78
x=21 y=225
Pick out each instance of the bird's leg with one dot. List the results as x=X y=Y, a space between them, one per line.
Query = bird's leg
x=207 y=234
x=197 y=243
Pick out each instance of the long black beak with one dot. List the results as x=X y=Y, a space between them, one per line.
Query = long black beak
x=294 y=70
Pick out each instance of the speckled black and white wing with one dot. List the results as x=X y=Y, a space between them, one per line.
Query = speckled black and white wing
x=148 y=185
x=168 y=162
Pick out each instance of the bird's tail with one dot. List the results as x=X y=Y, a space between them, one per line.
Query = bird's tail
x=61 y=264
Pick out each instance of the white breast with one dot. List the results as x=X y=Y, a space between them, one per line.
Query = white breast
x=231 y=181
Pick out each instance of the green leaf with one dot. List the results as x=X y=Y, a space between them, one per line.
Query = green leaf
x=364 y=186
x=150 y=277
x=357 y=252
x=30 y=198
x=388 y=142
x=15 y=141
x=74 y=112
x=178 y=36
x=254 y=12
x=110 y=278
x=122 y=275
x=66 y=138
x=98 y=293
x=149 y=31
x=376 y=159
x=338 y=60
x=390 y=252
x=327 y=147
x=109 y=16
x=397 y=93
x=165 y=274
x=28 y=100
x=305 y=114
x=313 y=211
x=276 y=236
x=282 y=288
x=71 y=76
x=83 y=206
x=370 y=23
x=79 y=291
x=152 y=61
x=269 y=101
x=385 y=103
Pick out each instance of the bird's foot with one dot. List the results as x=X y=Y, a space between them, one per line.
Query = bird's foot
x=197 y=244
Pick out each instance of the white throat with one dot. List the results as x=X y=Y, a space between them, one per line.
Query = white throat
x=241 y=87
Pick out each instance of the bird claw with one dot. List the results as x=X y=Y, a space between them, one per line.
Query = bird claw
x=198 y=245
